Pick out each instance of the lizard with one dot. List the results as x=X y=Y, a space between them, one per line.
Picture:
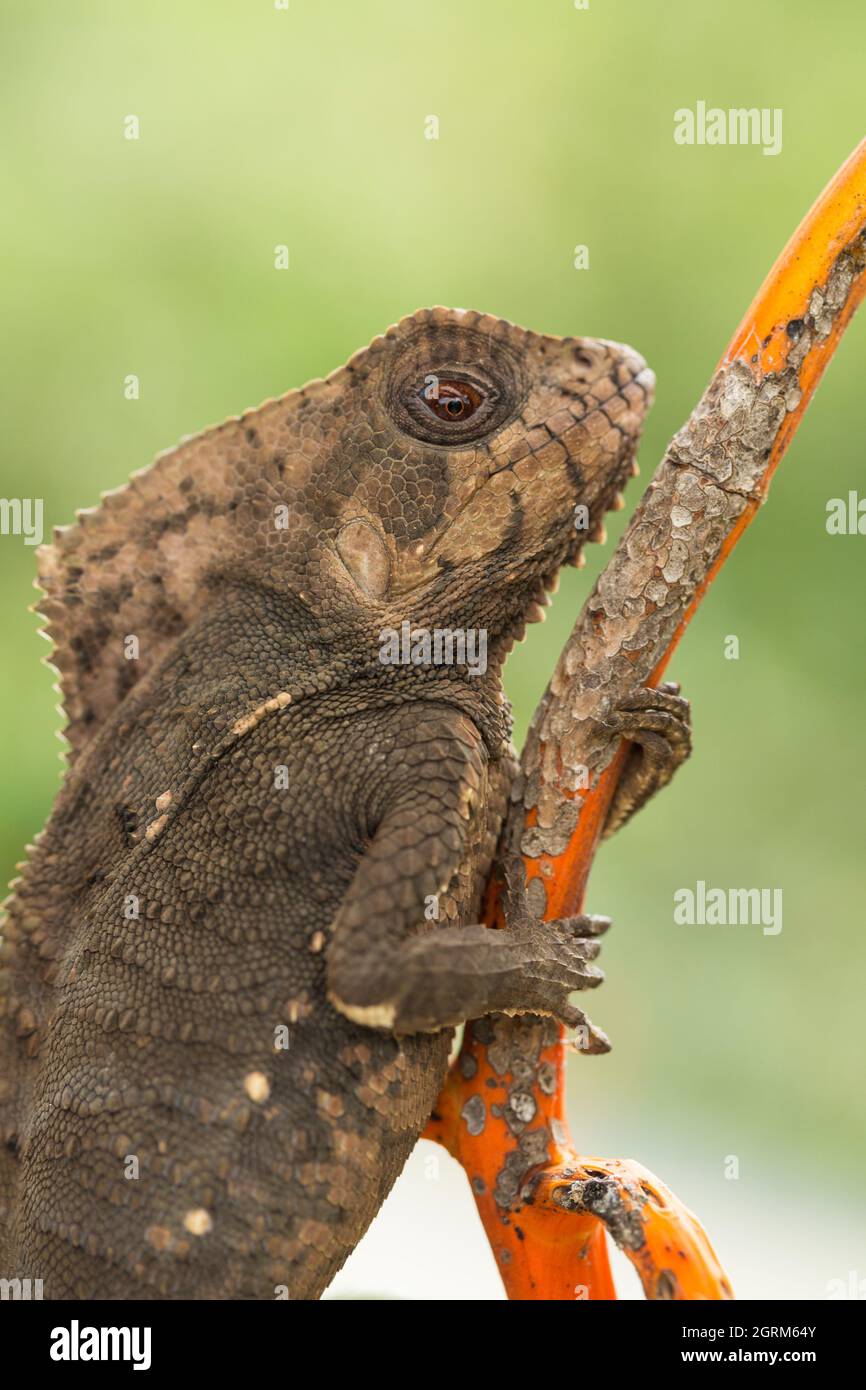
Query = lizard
x=235 y=956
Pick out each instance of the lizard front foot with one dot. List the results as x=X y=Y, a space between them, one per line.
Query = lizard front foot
x=527 y=967
x=658 y=722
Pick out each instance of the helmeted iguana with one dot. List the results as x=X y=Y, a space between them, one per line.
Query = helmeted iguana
x=235 y=954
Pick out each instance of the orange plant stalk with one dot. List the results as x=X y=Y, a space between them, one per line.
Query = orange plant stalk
x=546 y=1209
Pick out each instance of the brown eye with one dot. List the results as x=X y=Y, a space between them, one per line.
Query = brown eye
x=450 y=400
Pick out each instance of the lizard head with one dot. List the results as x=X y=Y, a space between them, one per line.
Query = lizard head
x=439 y=479
x=474 y=459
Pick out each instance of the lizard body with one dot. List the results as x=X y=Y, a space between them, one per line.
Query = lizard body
x=225 y=999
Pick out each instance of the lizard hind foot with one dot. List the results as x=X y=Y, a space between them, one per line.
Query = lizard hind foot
x=657 y=721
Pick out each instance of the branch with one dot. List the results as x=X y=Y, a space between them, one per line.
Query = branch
x=545 y=1208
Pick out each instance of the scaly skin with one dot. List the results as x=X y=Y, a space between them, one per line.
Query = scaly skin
x=225 y=1013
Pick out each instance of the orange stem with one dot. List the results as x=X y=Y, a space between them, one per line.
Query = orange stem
x=546 y=1219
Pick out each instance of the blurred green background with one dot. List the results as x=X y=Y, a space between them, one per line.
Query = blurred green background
x=306 y=127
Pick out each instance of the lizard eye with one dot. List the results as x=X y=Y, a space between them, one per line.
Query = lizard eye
x=452 y=388
x=450 y=400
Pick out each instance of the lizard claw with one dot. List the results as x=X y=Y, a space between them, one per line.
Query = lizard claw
x=587 y=1037
x=587 y=924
